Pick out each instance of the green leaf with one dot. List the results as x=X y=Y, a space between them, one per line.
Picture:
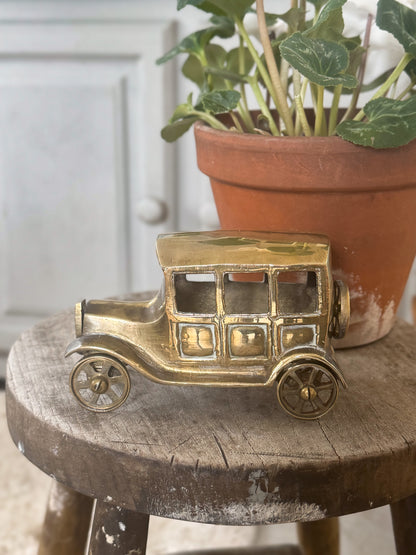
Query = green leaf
x=204 y=5
x=195 y=43
x=232 y=8
x=192 y=69
x=192 y=44
x=377 y=82
x=233 y=61
x=175 y=130
x=322 y=62
x=355 y=55
x=224 y=74
x=330 y=22
x=293 y=17
x=317 y=3
x=219 y=102
x=182 y=110
x=392 y=123
x=216 y=55
x=271 y=18
x=411 y=70
x=400 y=21
x=195 y=71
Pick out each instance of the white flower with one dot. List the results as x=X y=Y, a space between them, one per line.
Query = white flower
x=384 y=51
x=252 y=28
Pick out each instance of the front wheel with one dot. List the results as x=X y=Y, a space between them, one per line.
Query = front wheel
x=307 y=390
x=100 y=383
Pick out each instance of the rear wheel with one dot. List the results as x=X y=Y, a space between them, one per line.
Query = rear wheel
x=307 y=390
x=100 y=383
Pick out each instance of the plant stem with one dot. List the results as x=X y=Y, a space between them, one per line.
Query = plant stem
x=284 y=74
x=277 y=88
x=243 y=105
x=210 y=119
x=236 y=121
x=360 y=77
x=301 y=119
x=204 y=63
x=302 y=7
x=254 y=54
x=263 y=106
x=406 y=90
x=333 y=115
x=245 y=115
x=319 y=118
x=389 y=82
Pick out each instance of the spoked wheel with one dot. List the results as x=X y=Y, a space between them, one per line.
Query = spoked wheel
x=307 y=390
x=100 y=383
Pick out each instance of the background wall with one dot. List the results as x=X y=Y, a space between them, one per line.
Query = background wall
x=86 y=182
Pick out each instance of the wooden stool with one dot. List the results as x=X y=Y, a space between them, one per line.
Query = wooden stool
x=221 y=456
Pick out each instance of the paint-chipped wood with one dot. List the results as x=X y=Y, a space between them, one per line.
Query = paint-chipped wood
x=65 y=528
x=117 y=531
x=221 y=455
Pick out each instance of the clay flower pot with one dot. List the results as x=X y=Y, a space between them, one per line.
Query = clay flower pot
x=363 y=199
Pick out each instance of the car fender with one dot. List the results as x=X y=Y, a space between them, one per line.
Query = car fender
x=106 y=344
x=323 y=358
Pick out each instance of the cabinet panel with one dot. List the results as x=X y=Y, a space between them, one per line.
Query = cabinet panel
x=81 y=107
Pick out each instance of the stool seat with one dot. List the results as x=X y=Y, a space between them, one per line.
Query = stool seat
x=217 y=455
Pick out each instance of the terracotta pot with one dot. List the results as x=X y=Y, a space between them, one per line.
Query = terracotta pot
x=363 y=199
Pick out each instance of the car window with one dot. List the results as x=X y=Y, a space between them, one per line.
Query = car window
x=246 y=293
x=195 y=293
x=297 y=292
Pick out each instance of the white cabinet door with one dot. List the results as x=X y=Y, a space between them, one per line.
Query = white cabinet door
x=86 y=183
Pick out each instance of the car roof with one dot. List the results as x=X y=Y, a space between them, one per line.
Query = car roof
x=241 y=248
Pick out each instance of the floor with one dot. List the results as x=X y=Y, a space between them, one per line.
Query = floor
x=24 y=489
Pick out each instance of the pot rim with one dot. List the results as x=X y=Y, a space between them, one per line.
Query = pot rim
x=329 y=164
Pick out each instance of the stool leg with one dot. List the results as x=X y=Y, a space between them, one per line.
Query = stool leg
x=117 y=531
x=403 y=514
x=66 y=524
x=320 y=537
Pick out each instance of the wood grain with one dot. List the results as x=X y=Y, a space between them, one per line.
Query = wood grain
x=404 y=525
x=320 y=537
x=214 y=455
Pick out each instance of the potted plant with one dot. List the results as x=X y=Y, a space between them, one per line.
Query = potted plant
x=349 y=172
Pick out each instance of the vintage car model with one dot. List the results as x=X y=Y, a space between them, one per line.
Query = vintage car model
x=235 y=309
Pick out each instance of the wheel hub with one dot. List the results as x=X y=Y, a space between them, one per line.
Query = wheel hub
x=99 y=385
x=308 y=393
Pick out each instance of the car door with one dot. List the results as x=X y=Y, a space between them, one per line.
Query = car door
x=246 y=316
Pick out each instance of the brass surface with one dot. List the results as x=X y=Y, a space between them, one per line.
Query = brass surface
x=235 y=309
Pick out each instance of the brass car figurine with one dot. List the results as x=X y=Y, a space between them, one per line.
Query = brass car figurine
x=235 y=309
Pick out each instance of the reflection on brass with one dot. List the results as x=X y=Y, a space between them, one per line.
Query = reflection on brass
x=308 y=393
x=296 y=336
x=196 y=341
x=234 y=309
x=247 y=341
